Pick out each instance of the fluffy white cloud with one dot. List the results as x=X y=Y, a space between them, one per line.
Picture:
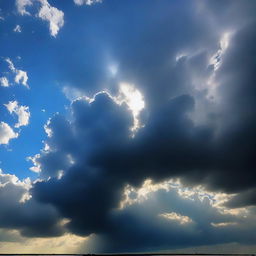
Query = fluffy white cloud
x=4 y=81
x=46 y=12
x=54 y=16
x=21 y=6
x=6 y=133
x=21 y=76
x=37 y=167
x=135 y=101
x=21 y=111
x=17 y=29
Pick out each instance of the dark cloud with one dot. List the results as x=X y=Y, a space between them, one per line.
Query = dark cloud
x=140 y=227
x=101 y=125
x=28 y=216
x=245 y=198
x=187 y=134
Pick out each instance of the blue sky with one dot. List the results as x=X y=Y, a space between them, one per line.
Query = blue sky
x=127 y=126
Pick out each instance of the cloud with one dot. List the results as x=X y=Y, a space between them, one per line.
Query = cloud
x=6 y=133
x=176 y=217
x=195 y=96
x=4 y=81
x=87 y=2
x=17 y=29
x=46 y=12
x=21 y=212
x=21 y=6
x=21 y=76
x=144 y=223
x=67 y=243
x=54 y=16
x=245 y=198
x=21 y=111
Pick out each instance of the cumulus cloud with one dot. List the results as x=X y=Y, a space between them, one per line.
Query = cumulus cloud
x=160 y=217
x=194 y=91
x=54 y=16
x=21 y=212
x=21 y=6
x=4 y=81
x=188 y=132
x=46 y=12
x=21 y=76
x=22 y=113
x=6 y=133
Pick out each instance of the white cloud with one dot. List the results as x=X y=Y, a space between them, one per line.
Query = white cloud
x=48 y=13
x=17 y=29
x=223 y=224
x=4 y=81
x=72 y=93
x=21 y=6
x=21 y=111
x=176 y=217
x=216 y=59
x=135 y=101
x=6 y=133
x=10 y=64
x=36 y=165
x=21 y=187
x=87 y=2
x=21 y=76
x=54 y=16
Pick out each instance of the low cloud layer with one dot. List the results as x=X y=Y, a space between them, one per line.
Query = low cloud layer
x=20 y=212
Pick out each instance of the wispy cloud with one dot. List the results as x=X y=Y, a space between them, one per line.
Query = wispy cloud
x=87 y=2
x=17 y=29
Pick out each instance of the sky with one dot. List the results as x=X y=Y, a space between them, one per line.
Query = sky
x=127 y=126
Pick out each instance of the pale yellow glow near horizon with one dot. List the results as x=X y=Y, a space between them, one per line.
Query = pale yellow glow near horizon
x=67 y=243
